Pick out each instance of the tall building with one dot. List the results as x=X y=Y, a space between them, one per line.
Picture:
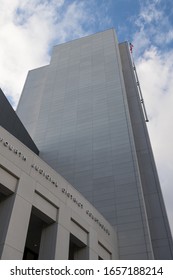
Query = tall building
x=84 y=113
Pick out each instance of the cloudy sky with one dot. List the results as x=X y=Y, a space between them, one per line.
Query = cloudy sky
x=29 y=29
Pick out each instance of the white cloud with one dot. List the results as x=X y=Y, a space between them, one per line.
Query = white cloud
x=153 y=24
x=149 y=13
x=24 y=42
x=155 y=69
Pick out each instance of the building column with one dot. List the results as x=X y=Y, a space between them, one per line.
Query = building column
x=15 y=211
x=93 y=245
x=55 y=239
x=54 y=243
x=14 y=215
x=62 y=245
x=48 y=242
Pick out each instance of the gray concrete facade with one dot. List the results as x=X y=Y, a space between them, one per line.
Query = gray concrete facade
x=77 y=112
x=42 y=216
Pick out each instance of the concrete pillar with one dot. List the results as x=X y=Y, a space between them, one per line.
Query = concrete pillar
x=14 y=215
x=93 y=245
x=15 y=211
x=48 y=242
x=62 y=244
x=55 y=239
